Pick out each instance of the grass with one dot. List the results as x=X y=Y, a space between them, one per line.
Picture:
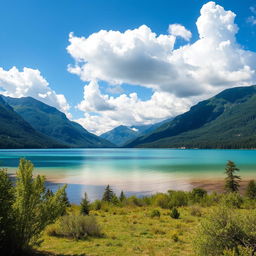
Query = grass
x=131 y=231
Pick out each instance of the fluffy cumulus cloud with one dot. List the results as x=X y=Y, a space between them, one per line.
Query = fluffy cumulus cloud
x=179 y=30
x=125 y=109
x=29 y=82
x=178 y=77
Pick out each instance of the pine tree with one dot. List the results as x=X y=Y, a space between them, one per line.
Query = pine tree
x=232 y=180
x=122 y=196
x=108 y=194
x=251 y=189
x=65 y=199
x=85 y=205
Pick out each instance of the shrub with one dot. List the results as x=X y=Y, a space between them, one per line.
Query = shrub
x=175 y=213
x=225 y=231
x=198 y=194
x=232 y=200
x=251 y=189
x=161 y=200
x=97 y=205
x=178 y=198
x=155 y=213
x=175 y=238
x=195 y=211
x=77 y=227
x=134 y=201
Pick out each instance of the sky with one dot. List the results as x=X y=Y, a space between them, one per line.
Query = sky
x=130 y=62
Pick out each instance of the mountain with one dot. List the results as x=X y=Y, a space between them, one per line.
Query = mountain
x=15 y=132
x=53 y=123
x=120 y=135
x=123 y=134
x=227 y=120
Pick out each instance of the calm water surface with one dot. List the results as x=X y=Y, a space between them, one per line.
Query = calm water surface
x=136 y=171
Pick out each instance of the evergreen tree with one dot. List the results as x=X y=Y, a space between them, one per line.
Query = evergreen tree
x=251 y=189
x=108 y=194
x=65 y=199
x=122 y=196
x=232 y=180
x=85 y=205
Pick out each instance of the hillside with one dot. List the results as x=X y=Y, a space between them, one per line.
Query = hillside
x=124 y=134
x=227 y=120
x=15 y=132
x=53 y=123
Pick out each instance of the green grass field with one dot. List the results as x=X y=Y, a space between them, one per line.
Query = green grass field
x=131 y=231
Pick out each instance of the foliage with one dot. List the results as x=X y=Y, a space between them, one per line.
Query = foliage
x=108 y=194
x=175 y=213
x=198 y=194
x=30 y=207
x=223 y=230
x=177 y=198
x=232 y=200
x=251 y=189
x=155 y=213
x=85 y=205
x=77 y=227
x=122 y=196
x=232 y=180
x=7 y=220
x=195 y=211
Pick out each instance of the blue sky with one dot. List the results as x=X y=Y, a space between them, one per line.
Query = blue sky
x=34 y=34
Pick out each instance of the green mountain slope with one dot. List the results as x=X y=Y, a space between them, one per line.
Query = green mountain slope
x=227 y=120
x=15 y=132
x=120 y=135
x=53 y=123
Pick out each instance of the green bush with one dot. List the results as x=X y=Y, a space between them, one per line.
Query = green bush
x=96 y=205
x=161 y=200
x=224 y=232
x=77 y=227
x=178 y=198
x=198 y=194
x=155 y=213
x=251 y=189
x=195 y=211
x=232 y=200
x=175 y=213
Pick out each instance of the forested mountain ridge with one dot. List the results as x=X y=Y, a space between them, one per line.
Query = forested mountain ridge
x=53 y=123
x=227 y=120
x=15 y=132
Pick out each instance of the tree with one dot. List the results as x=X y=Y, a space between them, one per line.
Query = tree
x=122 y=196
x=85 y=205
x=175 y=213
x=65 y=199
x=232 y=180
x=7 y=220
x=108 y=194
x=32 y=208
x=251 y=189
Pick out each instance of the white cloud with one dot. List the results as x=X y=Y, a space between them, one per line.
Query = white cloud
x=252 y=20
x=29 y=82
x=126 y=109
x=179 y=30
x=178 y=77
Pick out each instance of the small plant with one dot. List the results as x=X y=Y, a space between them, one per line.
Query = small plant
x=232 y=200
x=155 y=214
x=77 y=227
x=85 y=205
x=251 y=189
x=175 y=213
x=195 y=211
x=175 y=238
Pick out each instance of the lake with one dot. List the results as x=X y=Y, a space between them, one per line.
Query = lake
x=135 y=171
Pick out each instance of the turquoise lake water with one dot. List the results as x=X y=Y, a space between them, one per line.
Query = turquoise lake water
x=135 y=171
